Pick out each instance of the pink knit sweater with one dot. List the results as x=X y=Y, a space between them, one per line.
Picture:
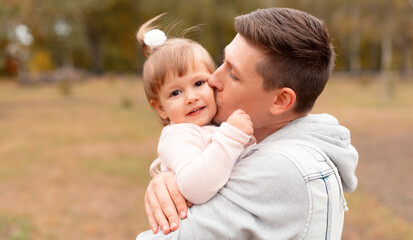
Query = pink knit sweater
x=201 y=157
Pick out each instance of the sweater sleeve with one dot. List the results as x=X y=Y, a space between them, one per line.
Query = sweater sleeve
x=200 y=169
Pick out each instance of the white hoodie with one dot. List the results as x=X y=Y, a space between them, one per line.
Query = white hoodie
x=265 y=197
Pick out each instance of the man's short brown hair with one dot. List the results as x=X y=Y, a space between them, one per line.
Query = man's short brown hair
x=298 y=51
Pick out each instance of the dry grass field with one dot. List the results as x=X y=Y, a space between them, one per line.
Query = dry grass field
x=75 y=166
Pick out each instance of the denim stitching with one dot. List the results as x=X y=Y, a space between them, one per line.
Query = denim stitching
x=328 y=209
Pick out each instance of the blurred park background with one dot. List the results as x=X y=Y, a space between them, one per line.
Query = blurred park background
x=77 y=135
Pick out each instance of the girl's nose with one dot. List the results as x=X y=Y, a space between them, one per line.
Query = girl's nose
x=192 y=98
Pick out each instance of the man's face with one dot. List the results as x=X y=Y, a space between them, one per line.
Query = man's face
x=238 y=85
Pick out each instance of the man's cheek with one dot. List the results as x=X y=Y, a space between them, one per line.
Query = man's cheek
x=221 y=115
x=217 y=100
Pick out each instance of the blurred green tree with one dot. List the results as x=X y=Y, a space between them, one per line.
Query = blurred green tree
x=99 y=35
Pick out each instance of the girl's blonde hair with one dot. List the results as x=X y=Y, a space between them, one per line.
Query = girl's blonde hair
x=173 y=58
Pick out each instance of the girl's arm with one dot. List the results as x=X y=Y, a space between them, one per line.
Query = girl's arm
x=200 y=171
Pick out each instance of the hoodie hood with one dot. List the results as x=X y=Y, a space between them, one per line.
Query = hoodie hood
x=324 y=131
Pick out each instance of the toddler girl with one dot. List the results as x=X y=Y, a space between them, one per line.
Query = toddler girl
x=176 y=85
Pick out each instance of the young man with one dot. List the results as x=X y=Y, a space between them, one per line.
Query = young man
x=287 y=186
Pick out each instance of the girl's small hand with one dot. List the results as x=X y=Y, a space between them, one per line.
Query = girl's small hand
x=241 y=120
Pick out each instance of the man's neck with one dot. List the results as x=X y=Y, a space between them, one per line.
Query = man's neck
x=261 y=133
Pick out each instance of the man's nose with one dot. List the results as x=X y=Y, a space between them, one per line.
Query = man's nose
x=215 y=80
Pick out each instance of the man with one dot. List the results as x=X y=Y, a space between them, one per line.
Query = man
x=287 y=186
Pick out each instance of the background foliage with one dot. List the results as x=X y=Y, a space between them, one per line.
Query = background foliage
x=99 y=35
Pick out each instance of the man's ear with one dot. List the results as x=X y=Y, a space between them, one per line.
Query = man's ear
x=158 y=108
x=283 y=100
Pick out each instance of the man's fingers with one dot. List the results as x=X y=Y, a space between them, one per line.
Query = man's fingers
x=178 y=199
x=161 y=219
x=158 y=215
x=158 y=197
x=167 y=208
x=151 y=219
x=162 y=200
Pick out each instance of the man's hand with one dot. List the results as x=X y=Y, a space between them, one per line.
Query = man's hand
x=242 y=121
x=163 y=202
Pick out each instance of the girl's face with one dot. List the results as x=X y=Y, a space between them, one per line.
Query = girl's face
x=187 y=99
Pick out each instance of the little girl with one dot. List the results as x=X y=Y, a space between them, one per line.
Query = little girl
x=176 y=85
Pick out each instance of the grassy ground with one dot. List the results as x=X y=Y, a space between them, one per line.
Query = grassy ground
x=75 y=166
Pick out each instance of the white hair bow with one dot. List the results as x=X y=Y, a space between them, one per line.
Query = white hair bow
x=154 y=38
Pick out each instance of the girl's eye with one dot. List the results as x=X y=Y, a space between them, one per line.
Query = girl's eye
x=199 y=83
x=175 y=93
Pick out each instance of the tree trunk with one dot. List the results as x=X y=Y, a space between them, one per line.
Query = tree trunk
x=386 y=51
x=386 y=62
x=355 y=39
x=406 y=64
x=94 y=42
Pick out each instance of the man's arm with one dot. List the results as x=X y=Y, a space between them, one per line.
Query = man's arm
x=163 y=202
x=265 y=197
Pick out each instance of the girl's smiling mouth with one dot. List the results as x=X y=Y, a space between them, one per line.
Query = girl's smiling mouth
x=195 y=111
